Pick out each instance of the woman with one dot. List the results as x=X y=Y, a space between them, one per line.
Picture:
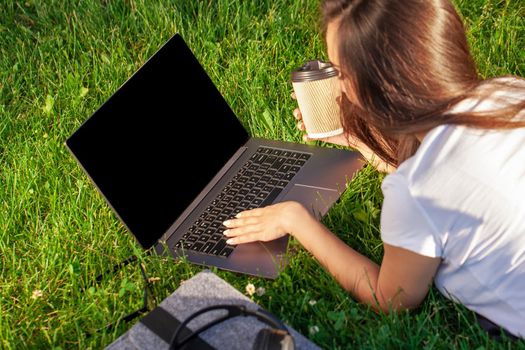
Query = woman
x=453 y=211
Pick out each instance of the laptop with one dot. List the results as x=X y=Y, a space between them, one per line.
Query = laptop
x=173 y=161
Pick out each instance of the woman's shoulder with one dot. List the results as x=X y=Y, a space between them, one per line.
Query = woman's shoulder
x=505 y=81
x=451 y=153
x=460 y=145
x=435 y=147
x=508 y=87
x=492 y=93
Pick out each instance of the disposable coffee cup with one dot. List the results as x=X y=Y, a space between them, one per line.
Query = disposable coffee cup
x=317 y=89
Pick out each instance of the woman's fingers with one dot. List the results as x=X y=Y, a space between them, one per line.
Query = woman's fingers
x=297 y=114
x=233 y=223
x=245 y=227
x=252 y=237
x=251 y=212
x=242 y=230
x=243 y=234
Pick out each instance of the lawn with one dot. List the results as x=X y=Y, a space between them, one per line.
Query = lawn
x=61 y=59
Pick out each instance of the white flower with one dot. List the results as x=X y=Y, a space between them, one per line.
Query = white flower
x=312 y=302
x=37 y=293
x=260 y=291
x=250 y=289
x=313 y=330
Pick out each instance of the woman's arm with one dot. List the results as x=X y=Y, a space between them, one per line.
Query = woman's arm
x=401 y=282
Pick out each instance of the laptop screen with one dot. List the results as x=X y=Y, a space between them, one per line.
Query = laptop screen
x=154 y=145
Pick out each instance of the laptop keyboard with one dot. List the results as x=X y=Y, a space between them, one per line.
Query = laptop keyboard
x=256 y=184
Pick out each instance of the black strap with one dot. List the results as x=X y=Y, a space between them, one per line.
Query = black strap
x=495 y=331
x=163 y=324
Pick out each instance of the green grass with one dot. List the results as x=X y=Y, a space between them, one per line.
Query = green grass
x=61 y=59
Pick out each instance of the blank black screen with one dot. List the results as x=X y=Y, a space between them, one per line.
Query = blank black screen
x=155 y=144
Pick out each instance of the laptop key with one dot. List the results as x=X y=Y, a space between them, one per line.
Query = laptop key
x=232 y=205
x=259 y=159
x=204 y=224
x=243 y=179
x=204 y=238
x=305 y=156
x=271 y=197
x=278 y=163
x=197 y=246
x=226 y=251
x=243 y=192
x=215 y=238
x=219 y=246
x=267 y=189
x=191 y=239
x=270 y=159
x=244 y=204
x=207 y=247
x=232 y=192
x=289 y=176
x=284 y=168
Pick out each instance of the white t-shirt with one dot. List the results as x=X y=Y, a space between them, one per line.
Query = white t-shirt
x=461 y=197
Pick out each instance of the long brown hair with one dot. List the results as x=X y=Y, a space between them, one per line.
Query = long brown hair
x=408 y=63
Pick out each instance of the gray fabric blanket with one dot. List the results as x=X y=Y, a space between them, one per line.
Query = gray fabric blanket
x=202 y=290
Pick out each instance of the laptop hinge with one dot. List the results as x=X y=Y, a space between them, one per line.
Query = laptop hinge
x=202 y=194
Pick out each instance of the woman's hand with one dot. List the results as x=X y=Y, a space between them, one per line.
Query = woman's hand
x=340 y=139
x=346 y=141
x=264 y=224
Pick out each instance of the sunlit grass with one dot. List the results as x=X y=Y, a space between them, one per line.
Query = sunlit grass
x=61 y=59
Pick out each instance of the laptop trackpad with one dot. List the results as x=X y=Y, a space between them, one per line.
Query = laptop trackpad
x=317 y=199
